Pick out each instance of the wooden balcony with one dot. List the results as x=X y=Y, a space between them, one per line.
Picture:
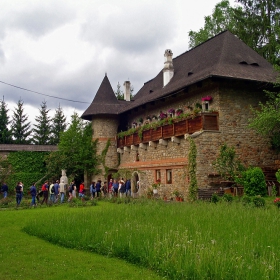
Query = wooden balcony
x=203 y=121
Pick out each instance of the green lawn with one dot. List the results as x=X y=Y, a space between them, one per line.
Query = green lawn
x=175 y=240
x=23 y=256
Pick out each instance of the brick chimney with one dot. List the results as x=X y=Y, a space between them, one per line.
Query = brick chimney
x=127 y=90
x=168 y=70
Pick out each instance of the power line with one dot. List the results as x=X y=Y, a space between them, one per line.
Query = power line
x=43 y=93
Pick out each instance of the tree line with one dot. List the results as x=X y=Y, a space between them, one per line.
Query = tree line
x=255 y=22
x=18 y=130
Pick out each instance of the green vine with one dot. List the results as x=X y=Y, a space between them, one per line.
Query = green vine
x=192 y=170
x=103 y=157
x=28 y=167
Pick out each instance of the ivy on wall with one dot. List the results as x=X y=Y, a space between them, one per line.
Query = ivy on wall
x=192 y=170
x=27 y=167
x=103 y=157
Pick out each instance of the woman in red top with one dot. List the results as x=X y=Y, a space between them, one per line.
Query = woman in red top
x=82 y=191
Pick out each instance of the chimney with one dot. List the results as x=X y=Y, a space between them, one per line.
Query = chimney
x=168 y=70
x=127 y=90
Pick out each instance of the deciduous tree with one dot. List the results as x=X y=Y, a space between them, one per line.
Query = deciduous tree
x=266 y=120
x=255 y=22
x=76 y=150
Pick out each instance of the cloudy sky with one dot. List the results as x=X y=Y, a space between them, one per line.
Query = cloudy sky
x=63 y=48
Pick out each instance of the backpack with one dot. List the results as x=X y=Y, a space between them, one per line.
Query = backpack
x=52 y=189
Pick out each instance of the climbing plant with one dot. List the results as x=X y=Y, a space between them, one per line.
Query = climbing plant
x=192 y=170
x=28 y=167
x=103 y=157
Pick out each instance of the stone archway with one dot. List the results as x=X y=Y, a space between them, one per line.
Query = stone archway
x=135 y=185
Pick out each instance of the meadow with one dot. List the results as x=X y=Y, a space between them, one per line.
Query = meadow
x=175 y=240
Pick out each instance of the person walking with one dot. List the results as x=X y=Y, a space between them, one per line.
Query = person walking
x=18 y=190
x=4 y=190
x=74 y=189
x=105 y=189
x=98 y=188
x=62 y=190
x=71 y=189
x=115 y=187
x=92 y=190
x=56 y=191
x=51 y=191
x=122 y=189
x=110 y=188
x=45 y=189
x=82 y=191
x=33 y=192
x=128 y=187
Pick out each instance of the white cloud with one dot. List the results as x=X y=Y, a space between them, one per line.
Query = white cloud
x=64 y=47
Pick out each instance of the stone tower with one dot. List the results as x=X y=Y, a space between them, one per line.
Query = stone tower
x=103 y=113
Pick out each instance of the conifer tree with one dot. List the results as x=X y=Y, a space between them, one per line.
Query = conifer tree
x=5 y=133
x=42 y=130
x=21 y=128
x=58 y=126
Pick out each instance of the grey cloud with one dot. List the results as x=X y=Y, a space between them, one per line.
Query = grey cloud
x=135 y=34
x=41 y=19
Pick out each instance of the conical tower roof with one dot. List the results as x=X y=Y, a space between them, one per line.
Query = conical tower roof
x=104 y=103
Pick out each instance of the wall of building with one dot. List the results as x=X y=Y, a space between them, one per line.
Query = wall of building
x=233 y=102
x=105 y=129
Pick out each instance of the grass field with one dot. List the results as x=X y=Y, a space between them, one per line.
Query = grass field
x=175 y=240
x=23 y=256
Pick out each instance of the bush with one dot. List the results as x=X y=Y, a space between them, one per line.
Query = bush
x=215 y=198
x=227 y=197
x=258 y=201
x=246 y=200
x=253 y=181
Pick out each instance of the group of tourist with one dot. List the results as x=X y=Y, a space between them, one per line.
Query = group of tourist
x=55 y=192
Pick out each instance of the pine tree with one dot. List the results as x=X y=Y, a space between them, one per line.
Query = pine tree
x=42 y=130
x=5 y=133
x=21 y=128
x=58 y=126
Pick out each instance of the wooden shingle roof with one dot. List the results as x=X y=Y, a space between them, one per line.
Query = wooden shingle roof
x=223 y=56
x=104 y=103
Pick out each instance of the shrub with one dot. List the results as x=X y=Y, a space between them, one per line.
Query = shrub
x=277 y=202
x=227 y=197
x=253 y=181
x=277 y=174
x=215 y=198
x=259 y=201
x=246 y=200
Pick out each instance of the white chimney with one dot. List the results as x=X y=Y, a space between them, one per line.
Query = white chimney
x=127 y=90
x=168 y=70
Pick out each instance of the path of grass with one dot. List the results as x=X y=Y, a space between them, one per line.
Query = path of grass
x=26 y=257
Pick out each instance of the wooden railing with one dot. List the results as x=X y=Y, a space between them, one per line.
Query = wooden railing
x=203 y=121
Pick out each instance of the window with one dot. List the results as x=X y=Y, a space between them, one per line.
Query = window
x=205 y=106
x=158 y=175
x=169 y=176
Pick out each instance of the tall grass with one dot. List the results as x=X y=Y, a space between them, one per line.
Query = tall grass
x=178 y=240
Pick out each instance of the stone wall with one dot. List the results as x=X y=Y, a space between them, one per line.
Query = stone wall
x=105 y=129
x=233 y=103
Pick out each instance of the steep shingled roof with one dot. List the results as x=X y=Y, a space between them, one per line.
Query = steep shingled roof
x=223 y=56
x=104 y=102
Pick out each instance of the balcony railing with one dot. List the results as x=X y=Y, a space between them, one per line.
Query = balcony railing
x=203 y=121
